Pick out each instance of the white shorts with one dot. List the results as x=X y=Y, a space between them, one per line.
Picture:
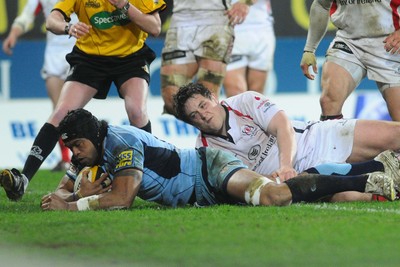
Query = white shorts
x=183 y=44
x=254 y=47
x=366 y=57
x=328 y=141
x=55 y=63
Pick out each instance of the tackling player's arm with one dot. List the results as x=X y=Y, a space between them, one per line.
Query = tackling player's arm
x=281 y=127
x=319 y=20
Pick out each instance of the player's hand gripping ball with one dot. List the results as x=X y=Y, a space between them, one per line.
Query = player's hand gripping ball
x=95 y=173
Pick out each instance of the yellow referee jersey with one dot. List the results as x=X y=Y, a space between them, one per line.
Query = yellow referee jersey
x=112 y=33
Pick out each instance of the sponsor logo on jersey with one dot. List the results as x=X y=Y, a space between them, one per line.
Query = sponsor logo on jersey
x=248 y=130
x=106 y=20
x=265 y=105
x=264 y=154
x=125 y=159
x=92 y=4
x=254 y=152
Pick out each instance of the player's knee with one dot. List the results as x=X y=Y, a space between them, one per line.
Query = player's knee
x=274 y=195
x=174 y=80
x=331 y=105
x=168 y=98
x=260 y=192
x=137 y=115
x=205 y=75
x=232 y=90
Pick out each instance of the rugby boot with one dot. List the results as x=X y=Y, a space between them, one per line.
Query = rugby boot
x=14 y=183
x=380 y=183
x=391 y=163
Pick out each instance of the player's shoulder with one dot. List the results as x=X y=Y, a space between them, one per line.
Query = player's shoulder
x=248 y=97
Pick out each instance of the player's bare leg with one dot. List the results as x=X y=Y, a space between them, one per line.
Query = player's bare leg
x=256 y=80
x=351 y=196
x=372 y=137
x=243 y=79
x=135 y=92
x=173 y=77
x=254 y=189
x=235 y=82
x=337 y=84
x=392 y=98
x=211 y=74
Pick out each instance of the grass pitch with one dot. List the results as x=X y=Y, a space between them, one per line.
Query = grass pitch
x=346 y=234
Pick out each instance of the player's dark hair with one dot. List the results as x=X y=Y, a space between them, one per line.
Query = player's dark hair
x=184 y=93
x=80 y=123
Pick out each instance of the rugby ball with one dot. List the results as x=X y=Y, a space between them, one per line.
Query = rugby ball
x=94 y=173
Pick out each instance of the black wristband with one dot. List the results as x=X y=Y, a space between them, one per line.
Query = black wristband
x=125 y=8
x=67 y=27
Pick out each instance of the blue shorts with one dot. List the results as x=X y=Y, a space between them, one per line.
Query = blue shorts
x=217 y=168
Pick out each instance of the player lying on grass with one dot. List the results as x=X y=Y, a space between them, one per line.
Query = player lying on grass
x=110 y=49
x=141 y=165
x=260 y=134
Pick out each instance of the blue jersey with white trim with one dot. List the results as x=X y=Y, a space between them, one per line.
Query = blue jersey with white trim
x=169 y=173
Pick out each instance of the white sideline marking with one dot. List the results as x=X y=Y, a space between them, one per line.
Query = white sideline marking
x=370 y=210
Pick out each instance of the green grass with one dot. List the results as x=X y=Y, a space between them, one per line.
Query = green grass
x=346 y=234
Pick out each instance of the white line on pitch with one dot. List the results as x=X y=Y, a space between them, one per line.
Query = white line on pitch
x=371 y=210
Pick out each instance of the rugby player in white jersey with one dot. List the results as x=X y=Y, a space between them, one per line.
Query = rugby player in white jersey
x=198 y=44
x=253 y=51
x=367 y=44
x=139 y=164
x=260 y=134
x=55 y=67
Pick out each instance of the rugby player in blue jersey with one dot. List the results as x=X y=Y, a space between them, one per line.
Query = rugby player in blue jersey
x=141 y=165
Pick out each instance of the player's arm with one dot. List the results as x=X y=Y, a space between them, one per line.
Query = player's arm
x=392 y=42
x=57 y=24
x=150 y=23
x=281 y=127
x=239 y=10
x=65 y=189
x=21 y=25
x=319 y=20
x=126 y=185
